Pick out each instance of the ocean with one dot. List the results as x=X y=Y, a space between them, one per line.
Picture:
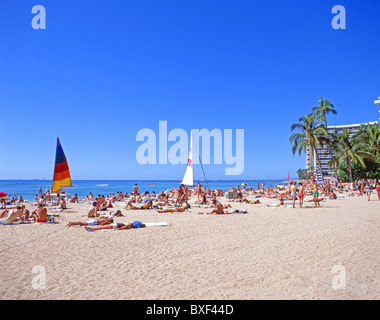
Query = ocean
x=28 y=189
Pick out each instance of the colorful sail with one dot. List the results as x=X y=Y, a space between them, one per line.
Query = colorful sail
x=188 y=178
x=62 y=176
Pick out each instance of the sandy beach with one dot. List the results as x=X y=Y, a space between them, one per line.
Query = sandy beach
x=268 y=253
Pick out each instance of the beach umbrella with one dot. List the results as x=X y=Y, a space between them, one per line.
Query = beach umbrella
x=3 y=195
x=244 y=184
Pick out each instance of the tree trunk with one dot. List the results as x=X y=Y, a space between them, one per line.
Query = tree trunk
x=334 y=166
x=349 y=169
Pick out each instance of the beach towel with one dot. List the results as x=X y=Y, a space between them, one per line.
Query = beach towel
x=147 y=225
x=14 y=223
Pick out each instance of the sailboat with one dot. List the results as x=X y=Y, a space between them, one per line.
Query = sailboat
x=188 y=178
x=61 y=176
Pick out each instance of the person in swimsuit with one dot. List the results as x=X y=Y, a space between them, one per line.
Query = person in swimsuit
x=199 y=190
x=117 y=226
x=8 y=217
x=378 y=188
x=148 y=205
x=175 y=209
x=92 y=222
x=368 y=190
x=293 y=192
x=92 y=212
x=328 y=189
x=300 y=193
x=40 y=214
x=315 y=194
x=136 y=189
x=219 y=209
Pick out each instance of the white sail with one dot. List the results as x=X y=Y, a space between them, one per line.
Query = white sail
x=188 y=178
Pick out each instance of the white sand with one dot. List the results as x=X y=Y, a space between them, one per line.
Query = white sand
x=277 y=253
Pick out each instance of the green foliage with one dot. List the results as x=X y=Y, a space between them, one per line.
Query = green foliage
x=372 y=170
x=302 y=174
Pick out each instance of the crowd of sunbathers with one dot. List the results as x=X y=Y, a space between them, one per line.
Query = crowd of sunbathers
x=22 y=215
x=176 y=200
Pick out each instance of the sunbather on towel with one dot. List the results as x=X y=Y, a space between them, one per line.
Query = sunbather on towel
x=148 y=205
x=117 y=226
x=219 y=209
x=40 y=214
x=93 y=222
x=174 y=209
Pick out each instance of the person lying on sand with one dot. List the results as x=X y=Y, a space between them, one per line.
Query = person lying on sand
x=93 y=222
x=175 y=209
x=316 y=200
x=277 y=205
x=148 y=205
x=250 y=201
x=226 y=212
x=40 y=214
x=112 y=214
x=117 y=226
x=225 y=206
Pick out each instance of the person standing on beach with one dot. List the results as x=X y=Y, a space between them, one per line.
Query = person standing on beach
x=199 y=190
x=136 y=189
x=328 y=189
x=368 y=189
x=185 y=193
x=378 y=188
x=300 y=193
x=293 y=192
x=315 y=194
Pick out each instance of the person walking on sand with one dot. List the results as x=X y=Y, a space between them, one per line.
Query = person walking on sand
x=378 y=188
x=300 y=193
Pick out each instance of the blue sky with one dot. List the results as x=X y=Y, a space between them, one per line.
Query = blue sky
x=103 y=70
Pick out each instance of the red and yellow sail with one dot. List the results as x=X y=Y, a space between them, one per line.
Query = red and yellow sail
x=62 y=176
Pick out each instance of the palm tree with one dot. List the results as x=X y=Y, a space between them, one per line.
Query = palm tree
x=324 y=107
x=308 y=137
x=330 y=141
x=368 y=138
x=347 y=151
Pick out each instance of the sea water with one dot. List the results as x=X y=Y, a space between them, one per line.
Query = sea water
x=28 y=189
